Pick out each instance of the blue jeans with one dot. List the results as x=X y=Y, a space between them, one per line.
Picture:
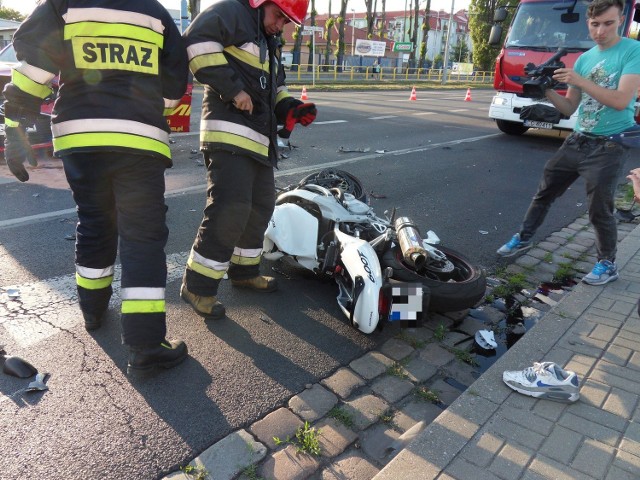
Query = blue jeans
x=599 y=161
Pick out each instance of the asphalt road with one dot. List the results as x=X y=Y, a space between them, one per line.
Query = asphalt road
x=438 y=160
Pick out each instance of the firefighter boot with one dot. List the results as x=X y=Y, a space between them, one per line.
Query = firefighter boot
x=208 y=307
x=92 y=321
x=261 y=283
x=143 y=359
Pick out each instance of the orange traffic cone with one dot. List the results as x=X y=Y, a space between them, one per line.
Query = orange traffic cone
x=413 y=96
x=304 y=96
x=467 y=98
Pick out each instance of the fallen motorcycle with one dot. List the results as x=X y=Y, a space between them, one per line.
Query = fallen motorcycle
x=384 y=268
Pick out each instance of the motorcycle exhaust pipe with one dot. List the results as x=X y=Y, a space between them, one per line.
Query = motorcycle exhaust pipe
x=410 y=241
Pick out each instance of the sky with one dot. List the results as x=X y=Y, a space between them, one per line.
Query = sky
x=25 y=6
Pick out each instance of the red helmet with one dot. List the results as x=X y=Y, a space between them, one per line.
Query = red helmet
x=296 y=10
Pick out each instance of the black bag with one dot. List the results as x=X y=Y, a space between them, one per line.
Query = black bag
x=539 y=112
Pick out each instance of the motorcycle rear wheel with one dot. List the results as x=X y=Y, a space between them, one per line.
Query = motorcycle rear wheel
x=451 y=291
x=331 y=178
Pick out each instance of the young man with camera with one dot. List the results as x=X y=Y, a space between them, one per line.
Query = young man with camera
x=602 y=86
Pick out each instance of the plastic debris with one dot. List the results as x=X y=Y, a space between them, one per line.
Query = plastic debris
x=545 y=299
x=17 y=367
x=172 y=141
x=486 y=339
x=35 y=195
x=38 y=384
x=71 y=236
x=483 y=232
x=381 y=151
x=13 y=292
x=194 y=151
x=357 y=150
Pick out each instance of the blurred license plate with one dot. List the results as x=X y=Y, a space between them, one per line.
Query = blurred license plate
x=535 y=124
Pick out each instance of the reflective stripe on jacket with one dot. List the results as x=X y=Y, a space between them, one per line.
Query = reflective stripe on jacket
x=122 y=64
x=228 y=53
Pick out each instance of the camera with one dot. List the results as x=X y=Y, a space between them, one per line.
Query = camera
x=542 y=75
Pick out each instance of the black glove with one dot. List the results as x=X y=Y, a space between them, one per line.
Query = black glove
x=302 y=113
x=16 y=150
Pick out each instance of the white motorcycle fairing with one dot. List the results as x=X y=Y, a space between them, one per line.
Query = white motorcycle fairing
x=360 y=304
x=299 y=242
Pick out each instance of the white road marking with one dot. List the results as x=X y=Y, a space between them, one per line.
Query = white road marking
x=383 y=117
x=329 y=122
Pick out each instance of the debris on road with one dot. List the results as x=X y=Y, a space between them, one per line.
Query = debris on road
x=352 y=150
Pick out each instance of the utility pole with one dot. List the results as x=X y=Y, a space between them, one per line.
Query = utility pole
x=353 y=31
x=447 y=45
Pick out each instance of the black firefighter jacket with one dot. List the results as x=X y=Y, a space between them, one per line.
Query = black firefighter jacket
x=228 y=52
x=122 y=66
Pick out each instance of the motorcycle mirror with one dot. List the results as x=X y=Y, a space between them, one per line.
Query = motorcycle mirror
x=17 y=367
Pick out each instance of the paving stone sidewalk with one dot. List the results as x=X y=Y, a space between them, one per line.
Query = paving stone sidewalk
x=415 y=409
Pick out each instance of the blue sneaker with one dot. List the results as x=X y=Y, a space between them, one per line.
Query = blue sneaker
x=603 y=272
x=513 y=246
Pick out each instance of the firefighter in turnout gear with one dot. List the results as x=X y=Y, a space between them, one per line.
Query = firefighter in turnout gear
x=122 y=66
x=234 y=50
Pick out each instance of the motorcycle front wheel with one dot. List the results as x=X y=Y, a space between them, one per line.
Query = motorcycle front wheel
x=331 y=178
x=454 y=286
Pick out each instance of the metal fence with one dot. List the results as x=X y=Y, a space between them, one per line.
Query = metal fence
x=369 y=74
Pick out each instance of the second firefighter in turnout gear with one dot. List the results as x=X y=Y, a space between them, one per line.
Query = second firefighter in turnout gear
x=122 y=66
x=234 y=50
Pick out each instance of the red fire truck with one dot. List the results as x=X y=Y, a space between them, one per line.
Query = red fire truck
x=540 y=28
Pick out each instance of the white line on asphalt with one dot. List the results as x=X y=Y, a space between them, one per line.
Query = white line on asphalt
x=424 y=113
x=383 y=117
x=459 y=110
x=328 y=122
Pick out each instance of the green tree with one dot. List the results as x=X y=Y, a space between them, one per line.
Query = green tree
x=194 y=8
x=11 y=14
x=460 y=52
x=310 y=61
x=480 y=22
x=425 y=36
x=340 y=42
x=327 y=35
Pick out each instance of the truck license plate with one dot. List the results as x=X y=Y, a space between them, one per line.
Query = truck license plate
x=535 y=124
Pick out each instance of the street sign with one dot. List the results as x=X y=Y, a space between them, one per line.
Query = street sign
x=369 y=48
x=403 y=47
x=309 y=30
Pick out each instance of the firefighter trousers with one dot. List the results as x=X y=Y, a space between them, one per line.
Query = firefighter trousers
x=120 y=198
x=240 y=201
